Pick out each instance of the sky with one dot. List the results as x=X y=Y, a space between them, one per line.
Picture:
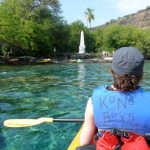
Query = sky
x=104 y=10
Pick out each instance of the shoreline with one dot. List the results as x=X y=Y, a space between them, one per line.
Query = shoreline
x=43 y=61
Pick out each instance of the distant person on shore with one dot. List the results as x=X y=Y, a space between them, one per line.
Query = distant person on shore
x=123 y=105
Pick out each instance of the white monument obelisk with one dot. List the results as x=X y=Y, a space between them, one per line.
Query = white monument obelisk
x=82 y=45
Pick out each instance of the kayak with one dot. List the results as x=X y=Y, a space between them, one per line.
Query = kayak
x=76 y=141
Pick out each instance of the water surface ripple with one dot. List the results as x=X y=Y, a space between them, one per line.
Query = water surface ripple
x=59 y=91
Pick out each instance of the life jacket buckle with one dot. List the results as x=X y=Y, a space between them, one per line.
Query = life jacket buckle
x=120 y=133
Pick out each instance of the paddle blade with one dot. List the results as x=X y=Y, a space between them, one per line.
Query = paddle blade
x=15 y=123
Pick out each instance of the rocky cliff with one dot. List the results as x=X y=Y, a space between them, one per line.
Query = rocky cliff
x=139 y=19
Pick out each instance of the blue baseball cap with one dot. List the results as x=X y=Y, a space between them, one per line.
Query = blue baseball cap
x=128 y=60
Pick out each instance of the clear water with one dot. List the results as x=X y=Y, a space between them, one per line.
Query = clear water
x=59 y=91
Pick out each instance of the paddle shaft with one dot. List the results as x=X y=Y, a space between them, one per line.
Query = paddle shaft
x=67 y=120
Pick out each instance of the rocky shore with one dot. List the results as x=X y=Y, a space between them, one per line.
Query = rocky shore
x=28 y=60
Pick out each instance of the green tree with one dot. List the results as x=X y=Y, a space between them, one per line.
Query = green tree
x=98 y=35
x=112 y=37
x=89 y=15
x=28 y=26
x=142 y=40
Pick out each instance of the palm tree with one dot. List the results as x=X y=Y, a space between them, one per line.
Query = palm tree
x=89 y=15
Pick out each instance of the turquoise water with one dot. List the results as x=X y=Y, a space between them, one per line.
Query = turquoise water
x=59 y=91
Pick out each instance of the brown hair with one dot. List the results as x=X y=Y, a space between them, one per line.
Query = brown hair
x=126 y=82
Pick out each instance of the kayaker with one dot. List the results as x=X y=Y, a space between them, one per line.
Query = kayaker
x=124 y=104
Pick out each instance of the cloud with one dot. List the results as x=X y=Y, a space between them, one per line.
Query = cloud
x=131 y=6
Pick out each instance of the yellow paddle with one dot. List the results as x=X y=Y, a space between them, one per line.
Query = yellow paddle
x=15 y=123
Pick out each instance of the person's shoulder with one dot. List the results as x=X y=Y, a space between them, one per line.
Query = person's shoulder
x=147 y=92
x=143 y=92
x=100 y=88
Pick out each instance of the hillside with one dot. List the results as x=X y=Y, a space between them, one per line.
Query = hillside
x=139 y=19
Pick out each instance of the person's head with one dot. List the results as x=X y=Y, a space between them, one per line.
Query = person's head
x=127 y=68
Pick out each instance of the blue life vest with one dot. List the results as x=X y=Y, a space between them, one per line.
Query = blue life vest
x=122 y=110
